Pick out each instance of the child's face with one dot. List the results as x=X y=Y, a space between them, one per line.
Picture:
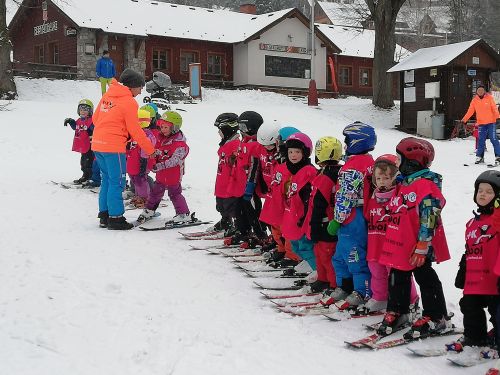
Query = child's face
x=295 y=155
x=165 y=129
x=84 y=112
x=383 y=179
x=485 y=194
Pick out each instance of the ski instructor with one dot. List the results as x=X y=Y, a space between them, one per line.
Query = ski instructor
x=487 y=115
x=115 y=120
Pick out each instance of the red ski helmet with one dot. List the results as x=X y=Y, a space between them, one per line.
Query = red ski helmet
x=416 y=149
x=389 y=159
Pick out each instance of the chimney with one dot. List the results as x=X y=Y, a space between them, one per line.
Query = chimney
x=248 y=6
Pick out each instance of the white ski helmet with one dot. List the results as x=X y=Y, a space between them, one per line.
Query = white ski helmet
x=268 y=133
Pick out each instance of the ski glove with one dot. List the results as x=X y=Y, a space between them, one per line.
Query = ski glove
x=158 y=167
x=333 y=227
x=419 y=255
x=70 y=121
x=249 y=189
x=460 y=278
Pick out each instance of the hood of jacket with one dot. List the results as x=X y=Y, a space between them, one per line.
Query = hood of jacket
x=427 y=174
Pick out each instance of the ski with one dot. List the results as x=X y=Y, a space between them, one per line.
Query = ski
x=249 y=259
x=278 y=284
x=473 y=357
x=131 y=207
x=141 y=223
x=274 y=273
x=203 y=235
x=239 y=252
x=206 y=247
x=170 y=225
x=339 y=316
x=403 y=341
x=304 y=310
x=257 y=266
x=276 y=294
x=358 y=344
x=297 y=301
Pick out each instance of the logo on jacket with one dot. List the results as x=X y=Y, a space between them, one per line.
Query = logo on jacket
x=277 y=179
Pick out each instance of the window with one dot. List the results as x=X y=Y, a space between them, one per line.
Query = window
x=277 y=66
x=53 y=53
x=345 y=76
x=161 y=59
x=39 y=55
x=188 y=58
x=214 y=64
x=365 y=77
x=89 y=49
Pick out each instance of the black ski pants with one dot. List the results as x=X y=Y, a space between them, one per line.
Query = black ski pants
x=475 y=326
x=86 y=162
x=433 y=302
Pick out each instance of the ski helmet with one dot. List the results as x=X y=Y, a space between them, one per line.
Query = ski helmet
x=250 y=122
x=174 y=118
x=418 y=150
x=388 y=159
x=287 y=131
x=144 y=118
x=359 y=138
x=327 y=148
x=152 y=108
x=268 y=133
x=227 y=123
x=302 y=141
x=491 y=177
x=85 y=104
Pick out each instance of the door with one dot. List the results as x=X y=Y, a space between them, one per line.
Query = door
x=460 y=95
x=116 y=51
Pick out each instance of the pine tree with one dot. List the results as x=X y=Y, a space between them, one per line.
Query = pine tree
x=7 y=85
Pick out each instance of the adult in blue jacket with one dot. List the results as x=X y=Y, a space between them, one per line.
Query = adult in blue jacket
x=105 y=71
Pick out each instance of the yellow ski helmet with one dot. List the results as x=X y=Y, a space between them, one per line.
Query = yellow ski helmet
x=86 y=104
x=174 y=118
x=328 y=148
x=144 y=118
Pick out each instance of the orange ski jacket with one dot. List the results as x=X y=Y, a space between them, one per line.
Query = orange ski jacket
x=486 y=110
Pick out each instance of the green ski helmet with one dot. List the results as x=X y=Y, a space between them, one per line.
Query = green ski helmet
x=174 y=118
x=85 y=104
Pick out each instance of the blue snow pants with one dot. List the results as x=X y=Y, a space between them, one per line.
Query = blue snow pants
x=113 y=172
x=487 y=131
x=96 y=173
x=349 y=260
x=304 y=248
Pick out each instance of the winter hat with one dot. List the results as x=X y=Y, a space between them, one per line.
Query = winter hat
x=132 y=79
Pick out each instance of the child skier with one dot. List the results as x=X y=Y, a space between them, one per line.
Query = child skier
x=274 y=203
x=226 y=204
x=297 y=189
x=169 y=169
x=414 y=238
x=385 y=171
x=137 y=162
x=328 y=152
x=83 y=128
x=480 y=266
x=354 y=185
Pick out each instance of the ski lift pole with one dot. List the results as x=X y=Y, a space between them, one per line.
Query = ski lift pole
x=312 y=97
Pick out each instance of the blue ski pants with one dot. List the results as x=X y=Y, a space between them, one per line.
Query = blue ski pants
x=304 y=248
x=487 y=131
x=349 y=260
x=96 y=172
x=113 y=172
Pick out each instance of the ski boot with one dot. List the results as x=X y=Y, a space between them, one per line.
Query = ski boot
x=458 y=345
x=103 y=219
x=425 y=327
x=351 y=302
x=234 y=239
x=182 y=218
x=80 y=180
x=269 y=245
x=284 y=263
x=330 y=296
x=392 y=322
x=371 y=306
x=497 y=161
x=319 y=286
x=275 y=256
x=251 y=242
x=479 y=160
x=145 y=216
x=119 y=223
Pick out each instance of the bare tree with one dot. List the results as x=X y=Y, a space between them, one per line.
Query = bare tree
x=384 y=14
x=7 y=85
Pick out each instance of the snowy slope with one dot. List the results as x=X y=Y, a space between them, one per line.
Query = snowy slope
x=77 y=299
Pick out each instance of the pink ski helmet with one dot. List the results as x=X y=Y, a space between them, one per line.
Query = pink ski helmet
x=302 y=141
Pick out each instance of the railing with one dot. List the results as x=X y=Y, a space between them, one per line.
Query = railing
x=52 y=70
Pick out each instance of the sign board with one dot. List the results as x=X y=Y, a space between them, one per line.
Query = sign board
x=279 y=48
x=471 y=72
x=195 y=80
x=432 y=90
x=475 y=60
x=433 y=72
x=70 y=31
x=45 y=14
x=409 y=76
x=409 y=95
x=45 y=28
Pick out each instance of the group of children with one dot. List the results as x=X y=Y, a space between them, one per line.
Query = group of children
x=368 y=228
x=167 y=161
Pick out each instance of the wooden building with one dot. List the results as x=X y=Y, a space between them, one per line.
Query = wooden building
x=442 y=80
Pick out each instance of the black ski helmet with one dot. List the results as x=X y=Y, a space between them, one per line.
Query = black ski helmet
x=227 y=123
x=250 y=122
x=491 y=177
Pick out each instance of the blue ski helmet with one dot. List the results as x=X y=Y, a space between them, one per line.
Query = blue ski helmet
x=359 y=138
x=287 y=131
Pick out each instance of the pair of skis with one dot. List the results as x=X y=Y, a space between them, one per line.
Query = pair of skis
x=169 y=224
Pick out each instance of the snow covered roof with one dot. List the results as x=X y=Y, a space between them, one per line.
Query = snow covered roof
x=11 y=7
x=357 y=42
x=413 y=15
x=433 y=56
x=145 y=17
x=346 y=14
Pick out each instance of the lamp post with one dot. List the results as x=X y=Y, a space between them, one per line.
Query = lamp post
x=312 y=97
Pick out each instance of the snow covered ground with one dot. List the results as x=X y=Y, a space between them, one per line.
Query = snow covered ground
x=76 y=299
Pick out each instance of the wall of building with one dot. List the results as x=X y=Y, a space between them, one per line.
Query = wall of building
x=289 y=32
x=24 y=39
x=240 y=61
x=202 y=48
